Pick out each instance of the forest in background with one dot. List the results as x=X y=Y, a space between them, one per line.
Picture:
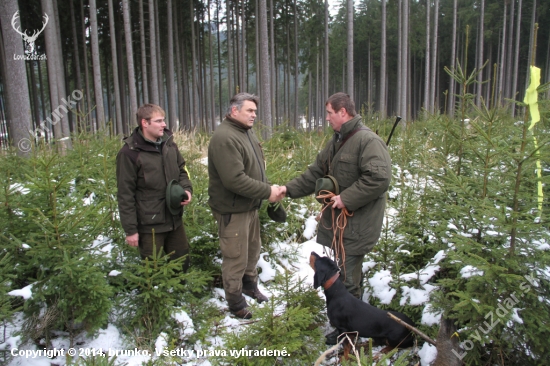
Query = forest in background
x=92 y=62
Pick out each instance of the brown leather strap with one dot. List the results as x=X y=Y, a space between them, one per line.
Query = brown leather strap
x=331 y=281
x=362 y=128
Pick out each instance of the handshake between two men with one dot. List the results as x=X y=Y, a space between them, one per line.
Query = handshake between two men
x=277 y=193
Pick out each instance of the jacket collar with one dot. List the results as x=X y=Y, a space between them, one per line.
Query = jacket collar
x=137 y=141
x=237 y=124
x=349 y=126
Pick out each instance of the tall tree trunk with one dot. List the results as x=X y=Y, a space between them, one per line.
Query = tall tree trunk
x=50 y=34
x=349 y=38
x=194 y=88
x=230 y=85
x=502 y=57
x=143 y=49
x=61 y=82
x=14 y=73
x=509 y=59
x=264 y=65
x=118 y=106
x=157 y=51
x=96 y=66
x=273 y=61
x=296 y=65
x=127 y=117
x=220 y=59
x=451 y=98
x=86 y=68
x=433 y=93
x=382 y=97
x=405 y=60
x=480 y=53
x=516 y=59
x=211 y=64
x=76 y=58
x=397 y=98
x=427 y=104
x=129 y=56
x=34 y=92
x=172 y=111
x=154 y=97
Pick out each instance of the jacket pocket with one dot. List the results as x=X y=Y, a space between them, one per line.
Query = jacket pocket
x=347 y=171
x=230 y=243
x=379 y=170
x=151 y=212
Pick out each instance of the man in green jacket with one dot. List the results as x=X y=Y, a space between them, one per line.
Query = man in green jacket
x=360 y=163
x=145 y=165
x=237 y=185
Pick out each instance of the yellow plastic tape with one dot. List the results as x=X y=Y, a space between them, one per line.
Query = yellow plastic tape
x=531 y=99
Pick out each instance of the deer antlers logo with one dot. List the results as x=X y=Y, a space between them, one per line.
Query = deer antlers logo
x=29 y=39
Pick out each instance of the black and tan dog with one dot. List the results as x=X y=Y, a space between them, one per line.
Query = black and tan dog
x=349 y=314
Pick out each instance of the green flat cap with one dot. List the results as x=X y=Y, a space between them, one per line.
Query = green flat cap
x=175 y=194
x=327 y=183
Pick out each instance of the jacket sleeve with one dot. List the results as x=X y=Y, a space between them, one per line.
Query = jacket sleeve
x=126 y=174
x=228 y=160
x=375 y=175
x=305 y=184
x=184 y=178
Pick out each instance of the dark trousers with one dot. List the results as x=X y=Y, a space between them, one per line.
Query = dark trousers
x=171 y=242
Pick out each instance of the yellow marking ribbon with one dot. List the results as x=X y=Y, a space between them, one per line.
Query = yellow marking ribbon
x=531 y=99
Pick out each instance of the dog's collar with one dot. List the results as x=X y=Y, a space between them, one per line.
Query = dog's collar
x=331 y=281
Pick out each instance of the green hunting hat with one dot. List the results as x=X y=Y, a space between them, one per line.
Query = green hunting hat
x=327 y=183
x=175 y=194
x=276 y=212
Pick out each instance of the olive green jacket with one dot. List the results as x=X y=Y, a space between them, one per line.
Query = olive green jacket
x=143 y=171
x=236 y=169
x=362 y=167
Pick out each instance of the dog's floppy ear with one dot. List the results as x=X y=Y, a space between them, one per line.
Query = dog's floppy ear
x=323 y=271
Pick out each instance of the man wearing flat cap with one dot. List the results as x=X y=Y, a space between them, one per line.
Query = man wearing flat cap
x=153 y=187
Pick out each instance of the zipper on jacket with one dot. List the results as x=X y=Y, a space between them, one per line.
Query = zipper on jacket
x=256 y=154
x=258 y=160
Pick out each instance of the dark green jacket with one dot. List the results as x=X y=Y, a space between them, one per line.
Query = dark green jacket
x=362 y=168
x=143 y=171
x=236 y=169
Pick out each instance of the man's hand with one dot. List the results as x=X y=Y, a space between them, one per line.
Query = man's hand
x=188 y=201
x=276 y=194
x=338 y=202
x=133 y=240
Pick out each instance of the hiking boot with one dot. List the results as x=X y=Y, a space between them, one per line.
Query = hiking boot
x=255 y=294
x=332 y=338
x=244 y=313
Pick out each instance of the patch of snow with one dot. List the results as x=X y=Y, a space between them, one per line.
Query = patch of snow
x=469 y=271
x=25 y=292
x=427 y=354
x=381 y=288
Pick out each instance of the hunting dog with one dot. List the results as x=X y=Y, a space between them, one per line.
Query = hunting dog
x=349 y=314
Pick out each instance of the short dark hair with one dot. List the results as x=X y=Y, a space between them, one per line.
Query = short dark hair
x=342 y=100
x=239 y=99
x=146 y=111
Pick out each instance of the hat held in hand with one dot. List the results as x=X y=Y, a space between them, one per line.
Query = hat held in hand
x=327 y=183
x=175 y=194
x=276 y=212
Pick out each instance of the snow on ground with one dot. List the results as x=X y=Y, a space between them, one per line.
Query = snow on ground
x=111 y=342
